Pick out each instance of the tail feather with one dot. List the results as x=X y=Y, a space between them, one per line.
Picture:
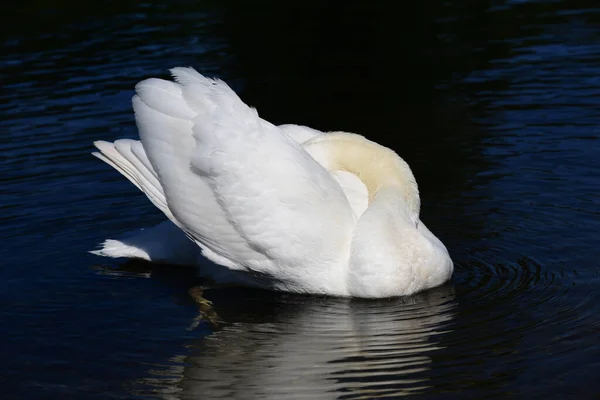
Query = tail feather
x=164 y=242
x=118 y=249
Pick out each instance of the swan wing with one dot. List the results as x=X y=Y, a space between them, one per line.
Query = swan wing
x=270 y=203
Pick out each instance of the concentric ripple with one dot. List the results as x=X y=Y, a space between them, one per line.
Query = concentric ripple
x=506 y=311
x=477 y=333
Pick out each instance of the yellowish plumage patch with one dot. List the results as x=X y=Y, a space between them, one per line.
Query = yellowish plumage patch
x=375 y=165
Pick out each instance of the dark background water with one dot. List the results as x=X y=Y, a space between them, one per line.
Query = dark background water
x=493 y=103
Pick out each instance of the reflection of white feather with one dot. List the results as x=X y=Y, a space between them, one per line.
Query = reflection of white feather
x=286 y=208
x=321 y=349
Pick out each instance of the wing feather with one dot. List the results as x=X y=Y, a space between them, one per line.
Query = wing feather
x=234 y=182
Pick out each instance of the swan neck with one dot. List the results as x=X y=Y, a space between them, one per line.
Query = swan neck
x=378 y=167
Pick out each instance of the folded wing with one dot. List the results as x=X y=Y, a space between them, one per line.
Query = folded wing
x=235 y=183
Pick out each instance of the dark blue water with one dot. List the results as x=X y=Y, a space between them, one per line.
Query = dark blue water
x=493 y=103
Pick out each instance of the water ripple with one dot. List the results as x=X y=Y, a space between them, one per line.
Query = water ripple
x=318 y=348
x=504 y=103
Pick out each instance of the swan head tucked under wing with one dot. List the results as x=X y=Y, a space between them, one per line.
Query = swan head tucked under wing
x=279 y=207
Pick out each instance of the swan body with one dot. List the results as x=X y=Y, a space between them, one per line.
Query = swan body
x=283 y=207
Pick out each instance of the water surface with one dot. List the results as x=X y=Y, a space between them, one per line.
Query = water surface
x=493 y=104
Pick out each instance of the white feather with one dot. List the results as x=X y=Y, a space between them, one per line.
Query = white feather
x=164 y=242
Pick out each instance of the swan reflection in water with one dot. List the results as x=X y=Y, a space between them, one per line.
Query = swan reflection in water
x=281 y=346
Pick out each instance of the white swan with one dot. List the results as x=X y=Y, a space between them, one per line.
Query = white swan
x=285 y=208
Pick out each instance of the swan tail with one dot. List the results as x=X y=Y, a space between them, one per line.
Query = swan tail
x=164 y=243
x=115 y=248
